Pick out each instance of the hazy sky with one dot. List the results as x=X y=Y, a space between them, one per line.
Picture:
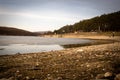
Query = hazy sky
x=42 y=15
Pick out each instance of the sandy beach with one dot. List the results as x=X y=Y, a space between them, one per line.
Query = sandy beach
x=81 y=63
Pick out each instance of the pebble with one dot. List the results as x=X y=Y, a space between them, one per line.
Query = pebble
x=59 y=78
x=98 y=66
x=37 y=64
x=80 y=50
x=103 y=69
x=117 y=77
x=77 y=60
x=108 y=74
x=17 y=71
x=50 y=78
x=59 y=55
x=48 y=75
x=88 y=65
x=56 y=71
x=27 y=77
x=100 y=76
x=107 y=53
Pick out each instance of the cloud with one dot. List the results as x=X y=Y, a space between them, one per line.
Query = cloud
x=42 y=16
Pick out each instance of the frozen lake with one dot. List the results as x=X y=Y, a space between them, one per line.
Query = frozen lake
x=30 y=44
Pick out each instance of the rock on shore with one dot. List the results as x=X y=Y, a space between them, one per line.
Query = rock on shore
x=83 y=63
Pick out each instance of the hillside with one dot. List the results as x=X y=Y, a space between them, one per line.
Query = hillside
x=14 y=31
x=105 y=22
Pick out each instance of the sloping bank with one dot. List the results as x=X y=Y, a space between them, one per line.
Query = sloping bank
x=82 y=63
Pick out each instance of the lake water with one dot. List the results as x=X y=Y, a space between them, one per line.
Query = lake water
x=30 y=44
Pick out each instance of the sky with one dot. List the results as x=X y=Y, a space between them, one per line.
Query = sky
x=48 y=15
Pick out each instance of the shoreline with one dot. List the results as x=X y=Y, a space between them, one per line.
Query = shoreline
x=85 y=35
x=80 y=63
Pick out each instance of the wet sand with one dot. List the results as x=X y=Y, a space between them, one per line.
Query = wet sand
x=82 y=63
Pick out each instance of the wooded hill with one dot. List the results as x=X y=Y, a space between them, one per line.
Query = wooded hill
x=105 y=22
x=14 y=31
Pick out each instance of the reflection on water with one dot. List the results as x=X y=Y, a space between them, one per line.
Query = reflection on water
x=28 y=44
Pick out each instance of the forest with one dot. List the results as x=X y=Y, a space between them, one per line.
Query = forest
x=103 y=23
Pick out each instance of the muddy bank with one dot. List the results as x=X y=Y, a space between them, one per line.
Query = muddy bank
x=83 y=63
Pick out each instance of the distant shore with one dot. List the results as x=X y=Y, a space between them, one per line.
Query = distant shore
x=82 y=63
x=89 y=35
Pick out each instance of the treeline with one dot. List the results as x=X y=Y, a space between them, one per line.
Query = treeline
x=15 y=31
x=105 y=22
